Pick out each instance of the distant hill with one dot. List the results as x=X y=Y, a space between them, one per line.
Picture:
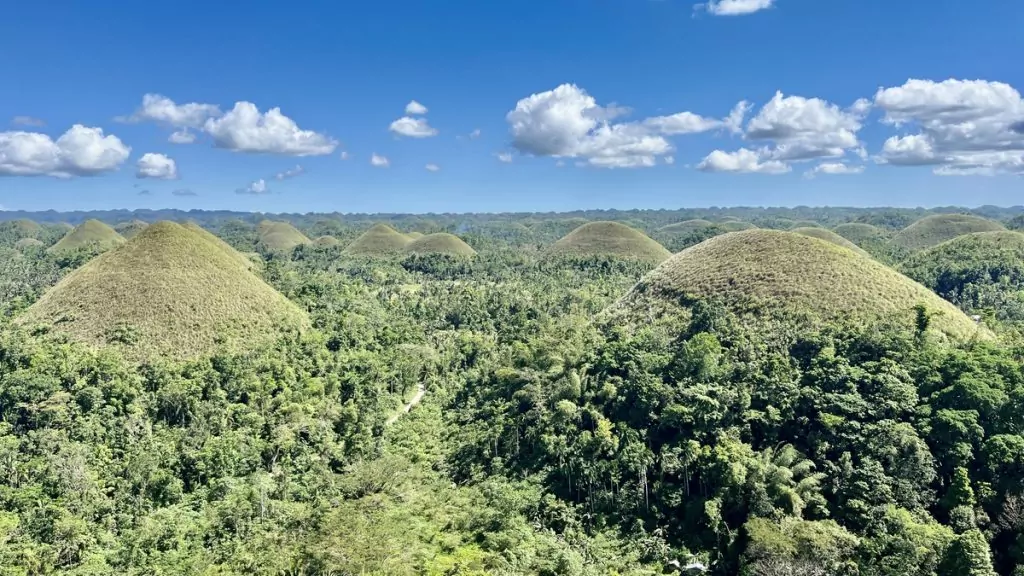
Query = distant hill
x=774 y=274
x=326 y=242
x=91 y=234
x=861 y=234
x=130 y=229
x=934 y=230
x=280 y=236
x=609 y=239
x=440 y=243
x=687 y=227
x=379 y=240
x=829 y=236
x=170 y=292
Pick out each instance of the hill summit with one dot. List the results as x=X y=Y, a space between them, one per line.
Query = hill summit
x=379 y=240
x=781 y=274
x=829 y=236
x=440 y=243
x=90 y=234
x=280 y=236
x=609 y=239
x=170 y=292
x=934 y=230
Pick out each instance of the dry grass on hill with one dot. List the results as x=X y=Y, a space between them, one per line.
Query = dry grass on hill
x=440 y=243
x=609 y=239
x=379 y=240
x=90 y=234
x=830 y=236
x=934 y=230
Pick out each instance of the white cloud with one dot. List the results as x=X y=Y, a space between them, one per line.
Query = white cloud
x=669 y=160
x=345 y=155
x=568 y=123
x=805 y=128
x=245 y=129
x=414 y=108
x=182 y=136
x=158 y=108
x=27 y=121
x=967 y=127
x=412 y=127
x=505 y=157
x=379 y=161
x=834 y=169
x=474 y=134
x=433 y=168
x=742 y=160
x=255 y=188
x=290 y=173
x=735 y=7
x=80 y=151
x=156 y=166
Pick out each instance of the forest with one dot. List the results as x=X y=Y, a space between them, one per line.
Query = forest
x=726 y=391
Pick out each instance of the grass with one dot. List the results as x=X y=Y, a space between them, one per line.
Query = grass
x=440 y=243
x=91 y=234
x=830 y=236
x=280 y=236
x=609 y=239
x=804 y=224
x=130 y=229
x=379 y=240
x=861 y=234
x=687 y=227
x=934 y=230
x=736 y=226
x=170 y=292
x=242 y=259
x=772 y=273
x=326 y=242
x=414 y=235
x=21 y=228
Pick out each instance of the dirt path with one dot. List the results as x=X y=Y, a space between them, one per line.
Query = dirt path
x=420 y=391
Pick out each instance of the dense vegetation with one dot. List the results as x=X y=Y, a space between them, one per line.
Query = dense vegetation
x=763 y=404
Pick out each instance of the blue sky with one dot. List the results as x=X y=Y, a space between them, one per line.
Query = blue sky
x=596 y=103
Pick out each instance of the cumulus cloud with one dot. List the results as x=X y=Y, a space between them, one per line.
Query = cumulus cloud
x=414 y=108
x=433 y=168
x=290 y=173
x=182 y=136
x=734 y=7
x=669 y=160
x=344 y=155
x=569 y=123
x=965 y=127
x=161 y=109
x=379 y=161
x=412 y=127
x=505 y=157
x=183 y=192
x=27 y=121
x=742 y=160
x=245 y=129
x=81 y=151
x=255 y=188
x=156 y=166
x=833 y=169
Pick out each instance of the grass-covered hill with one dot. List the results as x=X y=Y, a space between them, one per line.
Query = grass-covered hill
x=440 y=243
x=609 y=239
x=91 y=234
x=804 y=224
x=326 y=242
x=829 y=236
x=130 y=229
x=736 y=226
x=414 y=235
x=687 y=227
x=862 y=234
x=239 y=257
x=379 y=240
x=981 y=272
x=280 y=236
x=28 y=244
x=21 y=228
x=934 y=230
x=774 y=273
x=170 y=292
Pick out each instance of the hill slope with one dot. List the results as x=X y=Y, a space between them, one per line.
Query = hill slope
x=130 y=229
x=440 y=243
x=170 y=292
x=91 y=233
x=829 y=236
x=686 y=227
x=934 y=230
x=861 y=234
x=280 y=236
x=609 y=239
x=379 y=240
x=326 y=242
x=773 y=273
x=18 y=229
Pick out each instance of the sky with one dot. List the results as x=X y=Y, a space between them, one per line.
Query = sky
x=473 y=106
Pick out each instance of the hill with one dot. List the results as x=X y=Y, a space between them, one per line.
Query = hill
x=326 y=242
x=280 y=236
x=861 y=234
x=609 y=239
x=686 y=227
x=18 y=229
x=830 y=236
x=772 y=273
x=934 y=230
x=168 y=293
x=28 y=244
x=440 y=243
x=414 y=235
x=130 y=229
x=90 y=234
x=379 y=240
x=736 y=226
x=216 y=241
x=804 y=224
